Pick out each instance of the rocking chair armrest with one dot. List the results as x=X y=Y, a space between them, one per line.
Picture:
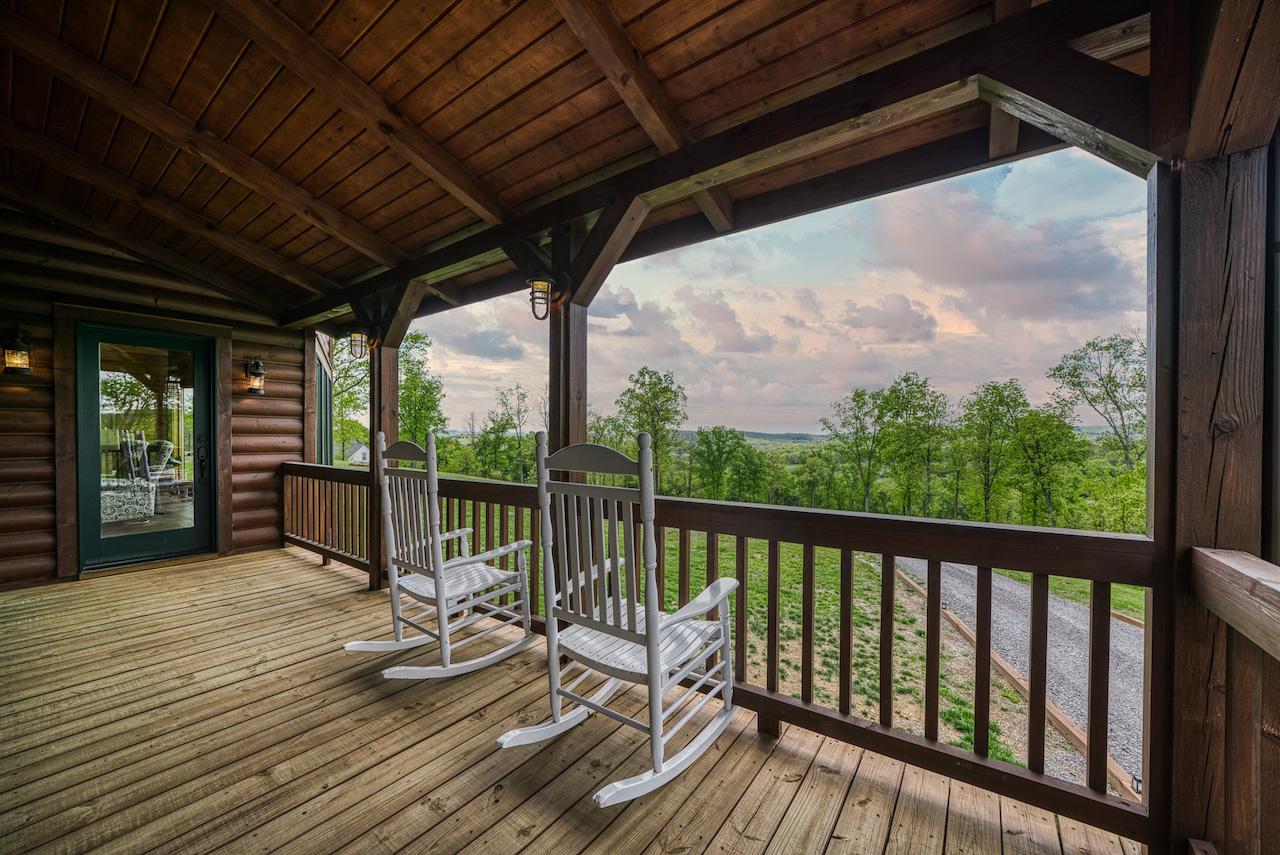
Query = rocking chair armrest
x=490 y=555
x=455 y=534
x=716 y=593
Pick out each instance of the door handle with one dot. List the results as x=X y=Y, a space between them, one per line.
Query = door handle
x=202 y=455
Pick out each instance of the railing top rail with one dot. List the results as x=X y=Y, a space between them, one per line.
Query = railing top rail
x=1080 y=554
x=1243 y=590
x=325 y=472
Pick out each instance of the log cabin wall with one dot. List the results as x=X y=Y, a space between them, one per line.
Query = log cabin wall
x=264 y=431
x=28 y=541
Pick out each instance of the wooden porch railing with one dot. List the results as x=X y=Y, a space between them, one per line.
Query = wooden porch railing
x=326 y=510
x=751 y=541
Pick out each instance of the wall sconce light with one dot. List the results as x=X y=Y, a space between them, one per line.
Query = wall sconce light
x=359 y=344
x=542 y=290
x=17 y=353
x=257 y=376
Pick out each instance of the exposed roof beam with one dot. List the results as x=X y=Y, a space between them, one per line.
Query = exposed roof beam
x=153 y=115
x=398 y=313
x=19 y=248
x=1003 y=136
x=1236 y=101
x=607 y=42
x=76 y=165
x=275 y=31
x=870 y=103
x=604 y=245
x=944 y=158
x=1097 y=106
x=25 y=197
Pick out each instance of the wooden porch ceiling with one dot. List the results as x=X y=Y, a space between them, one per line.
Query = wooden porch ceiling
x=200 y=708
x=280 y=153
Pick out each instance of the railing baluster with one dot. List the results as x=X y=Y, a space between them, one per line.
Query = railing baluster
x=713 y=573
x=767 y=724
x=1038 y=657
x=887 y=563
x=503 y=510
x=933 y=648
x=982 y=665
x=1099 y=675
x=683 y=582
x=448 y=526
x=806 y=627
x=846 y=630
x=475 y=527
x=535 y=557
x=740 y=610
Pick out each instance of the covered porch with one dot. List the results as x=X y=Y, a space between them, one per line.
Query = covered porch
x=209 y=706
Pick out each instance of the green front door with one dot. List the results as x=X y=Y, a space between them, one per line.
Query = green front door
x=145 y=446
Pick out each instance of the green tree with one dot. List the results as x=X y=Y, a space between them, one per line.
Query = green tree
x=989 y=416
x=421 y=391
x=513 y=405
x=654 y=403
x=350 y=391
x=915 y=413
x=856 y=427
x=714 y=451
x=1109 y=375
x=1048 y=447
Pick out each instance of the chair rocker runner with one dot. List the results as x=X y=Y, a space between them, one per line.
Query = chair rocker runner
x=593 y=589
x=472 y=584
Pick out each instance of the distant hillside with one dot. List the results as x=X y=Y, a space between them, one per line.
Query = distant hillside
x=762 y=437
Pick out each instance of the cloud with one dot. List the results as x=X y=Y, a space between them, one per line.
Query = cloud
x=1076 y=184
x=989 y=266
x=895 y=318
x=718 y=321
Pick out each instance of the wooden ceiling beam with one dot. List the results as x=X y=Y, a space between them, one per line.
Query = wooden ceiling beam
x=1099 y=107
x=297 y=51
x=1235 y=103
x=76 y=165
x=1003 y=128
x=398 y=314
x=607 y=43
x=25 y=197
x=604 y=245
x=153 y=115
x=864 y=105
x=945 y=158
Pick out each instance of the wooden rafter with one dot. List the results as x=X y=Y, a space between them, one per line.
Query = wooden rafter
x=819 y=122
x=604 y=245
x=267 y=26
x=72 y=163
x=1003 y=132
x=398 y=314
x=1097 y=106
x=607 y=42
x=25 y=197
x=132 y=102
x=1236 y=100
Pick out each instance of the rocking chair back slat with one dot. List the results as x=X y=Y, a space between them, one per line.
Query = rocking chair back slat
x=596 y=585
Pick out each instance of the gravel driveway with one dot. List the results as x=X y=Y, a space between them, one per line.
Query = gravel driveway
x=1068 y=650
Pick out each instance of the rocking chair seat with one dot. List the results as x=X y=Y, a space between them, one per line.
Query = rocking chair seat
x=459 y=581
x=626 y=659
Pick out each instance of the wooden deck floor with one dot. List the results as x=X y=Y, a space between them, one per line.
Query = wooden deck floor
x=210 y=707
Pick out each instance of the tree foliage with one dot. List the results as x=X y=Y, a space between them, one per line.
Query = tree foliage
x=1109 y=375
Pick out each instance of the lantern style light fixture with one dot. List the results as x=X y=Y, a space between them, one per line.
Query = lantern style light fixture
x=256 y=373
x=359 y=344
x=17 y=353
x=542 y=290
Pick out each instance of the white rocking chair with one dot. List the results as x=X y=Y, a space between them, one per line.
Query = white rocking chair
x=472 y=584
x=593 y=589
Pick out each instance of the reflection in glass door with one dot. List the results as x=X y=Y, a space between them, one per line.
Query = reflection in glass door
x=145 y=458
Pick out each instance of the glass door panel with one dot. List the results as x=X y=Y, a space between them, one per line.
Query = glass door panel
x=144 y=456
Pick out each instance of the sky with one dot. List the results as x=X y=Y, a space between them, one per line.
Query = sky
x=986 y=276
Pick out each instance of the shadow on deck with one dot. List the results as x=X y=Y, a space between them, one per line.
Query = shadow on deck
x=210 y=706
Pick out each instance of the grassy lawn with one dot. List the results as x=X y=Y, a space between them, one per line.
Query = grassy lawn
x=1126 y=599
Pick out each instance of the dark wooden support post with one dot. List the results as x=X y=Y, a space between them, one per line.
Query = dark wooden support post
x=567 y=387
x=1215 y=792
x=384 y=415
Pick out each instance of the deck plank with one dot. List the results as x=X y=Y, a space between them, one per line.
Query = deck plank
x=194 y=708
x=920 y=818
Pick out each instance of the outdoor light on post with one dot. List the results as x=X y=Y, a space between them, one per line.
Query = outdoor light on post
x=541 y=293
x=359 y=344
x=17 y=353
x=257 y=376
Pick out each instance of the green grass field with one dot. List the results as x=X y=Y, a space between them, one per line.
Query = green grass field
x=1130 y=600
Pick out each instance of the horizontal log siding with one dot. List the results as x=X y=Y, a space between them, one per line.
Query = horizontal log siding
x=266 y=430
x=28 y=540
